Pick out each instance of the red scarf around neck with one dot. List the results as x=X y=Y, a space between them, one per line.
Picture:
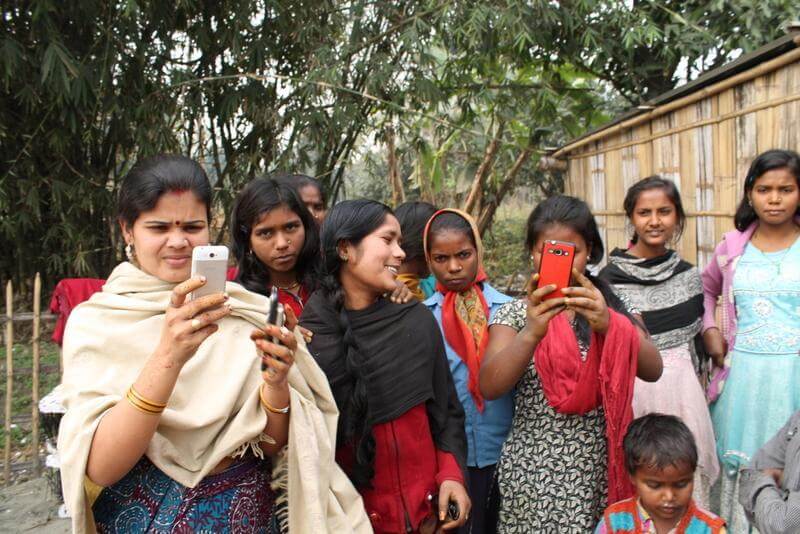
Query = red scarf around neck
x=459 y=334
x=605 y=378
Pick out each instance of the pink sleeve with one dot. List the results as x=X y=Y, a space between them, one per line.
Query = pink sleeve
x=448 y=468
x=712 y=288
x=601 y=526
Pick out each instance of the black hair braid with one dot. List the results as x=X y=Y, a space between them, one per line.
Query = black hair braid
x=353 y=421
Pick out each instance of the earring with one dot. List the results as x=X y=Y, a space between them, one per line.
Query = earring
x=129 y=252
x=750 y=203
x=344 y=258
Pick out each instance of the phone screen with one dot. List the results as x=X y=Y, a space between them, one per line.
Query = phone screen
x=555 y=266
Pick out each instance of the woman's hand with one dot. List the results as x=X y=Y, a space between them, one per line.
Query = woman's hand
x=588 y=301
x=401 y=294
x=716 y=346
x=452 y=491
x=540 y=312
x=291 y=323
x=188 y=324
x=278 y=357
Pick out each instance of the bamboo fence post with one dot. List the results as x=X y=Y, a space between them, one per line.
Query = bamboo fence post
x=9 y=380
x=37 y=311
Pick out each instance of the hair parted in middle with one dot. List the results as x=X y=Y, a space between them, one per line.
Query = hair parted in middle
x=258 y=197
x=648 y=184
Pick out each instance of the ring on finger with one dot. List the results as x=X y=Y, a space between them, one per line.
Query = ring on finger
x=196 y=324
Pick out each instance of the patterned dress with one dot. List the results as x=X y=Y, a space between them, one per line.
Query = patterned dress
x=238 y=499
x=552 y=471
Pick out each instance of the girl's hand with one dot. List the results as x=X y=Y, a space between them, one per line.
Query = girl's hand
x=278 y=358
x=452 y=491
x=401 y=294
x=715 y=345
x=589 y=302
x=540 y=312
x=291 y=323
x=188 y=324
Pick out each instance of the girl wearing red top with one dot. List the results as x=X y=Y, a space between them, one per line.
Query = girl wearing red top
x=275 y=241
x=401 y=427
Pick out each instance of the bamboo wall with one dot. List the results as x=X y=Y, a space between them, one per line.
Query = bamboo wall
x=705 y=146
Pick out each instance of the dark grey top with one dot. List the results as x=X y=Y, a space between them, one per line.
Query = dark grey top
x=773 y=509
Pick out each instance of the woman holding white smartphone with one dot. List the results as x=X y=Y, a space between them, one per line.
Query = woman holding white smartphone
x=170 y=423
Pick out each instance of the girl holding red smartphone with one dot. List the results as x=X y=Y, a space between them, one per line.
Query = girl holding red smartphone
x=572 y=360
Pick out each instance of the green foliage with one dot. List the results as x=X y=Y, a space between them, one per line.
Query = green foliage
x=247 y=86
x=505 y=254
x=23 y=379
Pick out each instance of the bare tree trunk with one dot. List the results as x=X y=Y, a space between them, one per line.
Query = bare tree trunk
x=487 y=213
x=476 y=190
x=398 y=194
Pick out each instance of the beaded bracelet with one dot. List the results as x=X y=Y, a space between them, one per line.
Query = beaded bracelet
x=268 y=406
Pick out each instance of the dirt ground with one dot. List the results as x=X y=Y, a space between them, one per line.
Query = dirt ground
x=30 y=507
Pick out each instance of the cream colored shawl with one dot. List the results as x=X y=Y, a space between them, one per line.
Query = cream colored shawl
x=214 y=411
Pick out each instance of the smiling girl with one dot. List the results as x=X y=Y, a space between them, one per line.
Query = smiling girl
x=756 y=269
x=668 y=293
x=464 y=304
x=401 y=431
x=572 y=360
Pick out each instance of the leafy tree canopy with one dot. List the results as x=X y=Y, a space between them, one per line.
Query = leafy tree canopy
x=467 y=94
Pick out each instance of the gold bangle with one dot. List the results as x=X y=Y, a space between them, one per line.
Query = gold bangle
x=268 y=406
x=136 y=403
x=151 y=404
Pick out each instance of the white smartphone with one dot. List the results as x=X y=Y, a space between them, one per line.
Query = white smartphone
x=210 y=261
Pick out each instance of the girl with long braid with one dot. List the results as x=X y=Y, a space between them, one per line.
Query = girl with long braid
x=401 y=429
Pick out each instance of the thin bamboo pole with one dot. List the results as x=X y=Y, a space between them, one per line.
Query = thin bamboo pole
x=755 y=72
x=37 y=310
x=9 y=380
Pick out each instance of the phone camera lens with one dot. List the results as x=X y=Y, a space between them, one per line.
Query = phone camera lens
x=559 y=252
x=211 y=255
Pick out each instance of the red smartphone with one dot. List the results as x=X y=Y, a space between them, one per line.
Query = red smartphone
x=555 y=267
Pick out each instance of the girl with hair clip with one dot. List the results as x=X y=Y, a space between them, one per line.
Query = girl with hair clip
x=171 y=424
x=401 y=430
x=756 y=271
x=464 y=304
x=275 y=242
x=414 y=271
x=572 y=360
x=668 y=293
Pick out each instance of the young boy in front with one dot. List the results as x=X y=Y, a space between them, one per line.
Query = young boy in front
x=661 y=457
